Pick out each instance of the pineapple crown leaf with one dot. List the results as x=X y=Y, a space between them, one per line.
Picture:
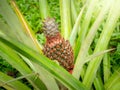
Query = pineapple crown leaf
x=50 y=27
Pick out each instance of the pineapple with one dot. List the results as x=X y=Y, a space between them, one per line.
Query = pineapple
x=56 y=47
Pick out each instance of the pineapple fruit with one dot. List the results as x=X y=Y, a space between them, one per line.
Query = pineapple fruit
x=56 y=47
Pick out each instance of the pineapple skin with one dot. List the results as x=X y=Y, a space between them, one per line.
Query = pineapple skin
x=56 y=47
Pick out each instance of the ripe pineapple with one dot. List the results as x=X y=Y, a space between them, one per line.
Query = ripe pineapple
x=56 y=47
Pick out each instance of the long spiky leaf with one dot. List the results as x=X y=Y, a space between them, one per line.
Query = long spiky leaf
x=16 y=85
x=26 y=26
x=65 y=18
x=88 y=40
x=102 y=43
x=55 y=70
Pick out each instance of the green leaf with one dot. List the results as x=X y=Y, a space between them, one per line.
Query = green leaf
x=26 y=27
x=76 y=28
x=15 y=60
x=21 y=32
x=16 y=27
x=103 y=41
x=89 y=10
x=44 y=75
x=56 y=71
x=15 y=85
x=44 y=11
x=88 y=40
x=98 y=83
x=113 y=81
x=106 y=67
x=65 y=18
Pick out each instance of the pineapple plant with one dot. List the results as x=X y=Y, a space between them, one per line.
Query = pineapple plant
x=56 y=47
x=80 y=28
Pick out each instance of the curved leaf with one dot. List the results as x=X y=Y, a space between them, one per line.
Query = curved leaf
x=56 y=71
x=15 y=85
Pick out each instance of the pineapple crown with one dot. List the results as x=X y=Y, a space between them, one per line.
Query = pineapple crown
x=50 y=27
